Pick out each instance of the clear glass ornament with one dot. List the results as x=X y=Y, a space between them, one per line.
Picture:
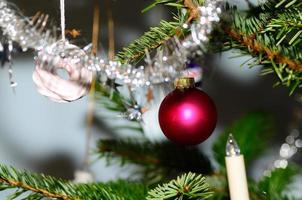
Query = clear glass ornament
x=51 y=62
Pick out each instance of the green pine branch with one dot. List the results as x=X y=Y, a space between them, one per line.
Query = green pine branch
x=288 y=25
x=152 y=39
x=172 y=3
x=187 y=186
x=34 y=186
x=126 y=190
x=160 y=161
x=272 y=34
x=273 y=186
x=111 y=99
x=114 y=101
x=157 y=36
x=281 y=4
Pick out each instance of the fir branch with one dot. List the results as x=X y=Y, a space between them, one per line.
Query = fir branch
x=166 y=159
x=159 y=35
x=128 y=151
x=257 y=48
x=260 y=35
x=35 y=186
x=288 y=25
x=43 y=185
x=173 y=3
x=283 y=3
x=272 y=34
x=127 y=189
x=114 y=101
x=150 y=40
x=190 y=5
x=187 y=186
x=252 y=132
x=163 y=154
x=273 y=187
x=110 y=99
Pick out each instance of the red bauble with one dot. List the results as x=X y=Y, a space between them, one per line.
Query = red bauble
x=187 y=116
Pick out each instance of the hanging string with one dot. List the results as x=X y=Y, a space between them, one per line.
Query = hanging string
x=62 y=10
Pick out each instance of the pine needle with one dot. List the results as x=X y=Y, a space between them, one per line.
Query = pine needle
x=187 y=186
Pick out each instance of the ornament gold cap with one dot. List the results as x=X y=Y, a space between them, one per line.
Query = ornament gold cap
x=184 y=82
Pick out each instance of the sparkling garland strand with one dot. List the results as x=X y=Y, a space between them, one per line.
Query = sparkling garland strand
x=25 y=32
x=29 y=34
x=163 y=67
x=167 y=65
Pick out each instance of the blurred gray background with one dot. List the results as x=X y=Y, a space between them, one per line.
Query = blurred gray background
x=43 y=136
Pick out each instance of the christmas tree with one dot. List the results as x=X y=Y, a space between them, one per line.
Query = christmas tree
x=166 y=58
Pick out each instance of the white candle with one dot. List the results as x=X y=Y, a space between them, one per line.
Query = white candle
x=236 y=171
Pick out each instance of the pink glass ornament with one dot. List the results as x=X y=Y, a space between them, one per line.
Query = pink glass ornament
x=65 y=57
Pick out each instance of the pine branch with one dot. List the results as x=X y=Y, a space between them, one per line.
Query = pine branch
x=126 y=189
x=262 y=34
x=114 y=101
x=152 y=39
x=159 y=35
x=256 y=47
x=172 y=3
x=39 y=184
x=271 y=33
x=281 y=4
x=252 y=132
x=128 y=151
x=273 y=187
x=110 y=99
x=190 y=5
x=35 y=186
x=187 y=186
x=288 y=25
x=160 y=160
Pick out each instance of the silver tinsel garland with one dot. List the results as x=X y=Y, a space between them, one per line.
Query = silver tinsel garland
x=28 y=33
x=168 y=63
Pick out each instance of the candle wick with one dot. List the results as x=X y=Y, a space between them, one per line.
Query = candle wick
x=232 y=148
